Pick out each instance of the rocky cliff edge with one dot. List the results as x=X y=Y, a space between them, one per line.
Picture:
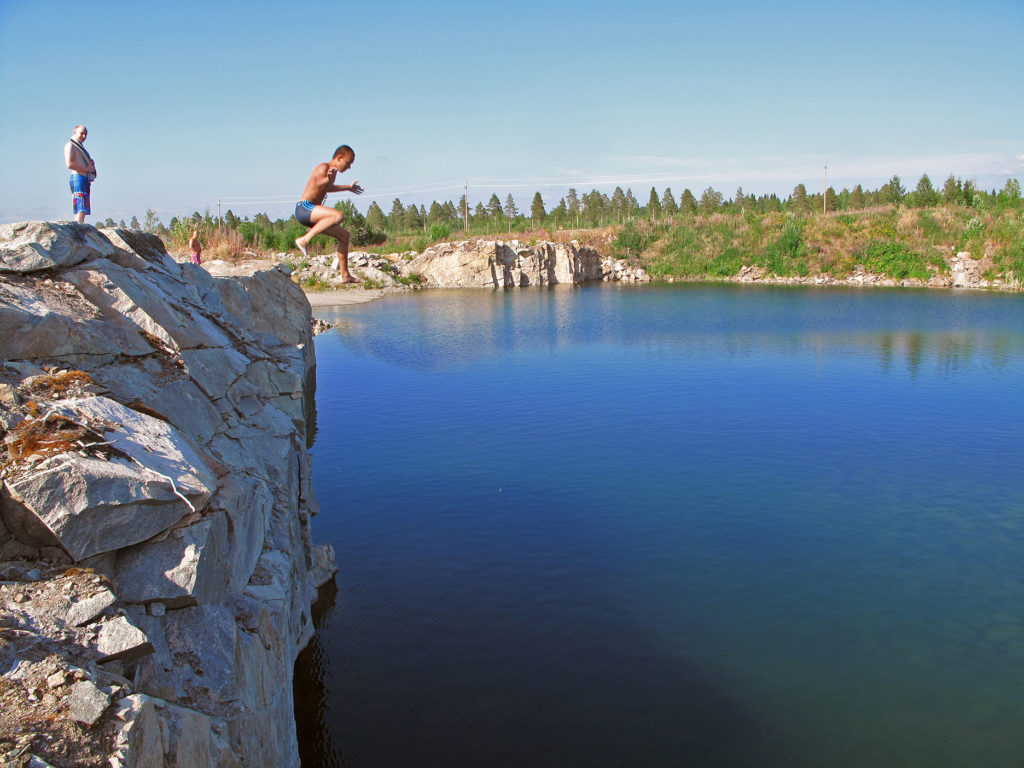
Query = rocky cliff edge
x=156 y=558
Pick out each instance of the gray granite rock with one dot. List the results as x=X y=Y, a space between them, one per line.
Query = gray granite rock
x=120 y=640
x=87 y=702
x=97 y=505
x=91 y=608
x=31 y=246
x=203 y=497
x=183 y=568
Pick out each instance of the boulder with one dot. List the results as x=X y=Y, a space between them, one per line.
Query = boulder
x=201 y=641
x=45 y=320
x=87 y=702
x=138 y=737
x=120 y=640
x=498 y=264
x=31 y=246
x=181 y=569
x=90 y=608
x=324 y=566
x=95 y=505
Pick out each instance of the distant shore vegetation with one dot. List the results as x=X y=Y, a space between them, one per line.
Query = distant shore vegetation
x=890 y=230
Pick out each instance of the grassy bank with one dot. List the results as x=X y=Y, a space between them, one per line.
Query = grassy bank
x=896 y=241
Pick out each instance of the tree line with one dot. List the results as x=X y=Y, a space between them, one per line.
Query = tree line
x=441 y=219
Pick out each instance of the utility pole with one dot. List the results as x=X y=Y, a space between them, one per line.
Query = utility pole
x=465 y=208
x=824 y=193
x=218 y=211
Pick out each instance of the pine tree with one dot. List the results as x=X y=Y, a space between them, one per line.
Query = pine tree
x=969 y=192
x=618 y=203
x=924 y=193
x=397 y=213
x=952 y=190
x=573 y=202
x=740 y=200
x=411 y=220
x=857 y=200
x=510 y=209
x=152 y=222
x=1011 y=191
x=494 y=206
x=688 y=203
x=537 y=212
x=893 y=191
x=798 y=200
x=135 y=222
x=668 y=202
x=375 y=219
x=710 y=201
x=595 y=207
x=632 y=206
x=654 y=205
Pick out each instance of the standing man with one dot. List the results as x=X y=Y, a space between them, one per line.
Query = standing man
x=312 y=213
x=83 y=172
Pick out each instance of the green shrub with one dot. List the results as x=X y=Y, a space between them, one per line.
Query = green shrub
x=883 y=227
x=439 y=231
x=895 y=259
x=632 y=241
x=930 y=228
x=363 y=236
x=786 y=254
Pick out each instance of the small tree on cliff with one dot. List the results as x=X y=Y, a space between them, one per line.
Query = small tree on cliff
x=375 y=218
x=710 y=201
x=572 y=202
x=668 y=202
x=654 y=205
x=537 y=212
x=798 y=200
x=688 y=203
x=618 y=203
x=893 y=191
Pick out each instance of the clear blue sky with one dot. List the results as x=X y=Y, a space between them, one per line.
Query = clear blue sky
x=187 y=102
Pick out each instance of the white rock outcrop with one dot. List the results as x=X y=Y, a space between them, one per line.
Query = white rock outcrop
x=501 y=264
x=157 y=496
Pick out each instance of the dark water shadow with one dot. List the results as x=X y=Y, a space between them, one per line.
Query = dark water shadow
x=581 y=705
x=315 y=744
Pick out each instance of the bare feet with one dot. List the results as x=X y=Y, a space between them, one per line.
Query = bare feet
x=351 y=279
x=301 y=246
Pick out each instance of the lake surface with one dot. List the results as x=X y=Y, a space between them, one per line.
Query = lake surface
x=670 y=526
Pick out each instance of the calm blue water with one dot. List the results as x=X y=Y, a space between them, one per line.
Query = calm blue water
x=670 y=526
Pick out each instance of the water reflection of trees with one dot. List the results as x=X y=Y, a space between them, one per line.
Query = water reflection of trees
x=442 y=329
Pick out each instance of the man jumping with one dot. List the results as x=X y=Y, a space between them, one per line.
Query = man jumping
x=312 y=213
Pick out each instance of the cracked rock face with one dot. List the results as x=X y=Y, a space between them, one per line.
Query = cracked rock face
x=156 y=504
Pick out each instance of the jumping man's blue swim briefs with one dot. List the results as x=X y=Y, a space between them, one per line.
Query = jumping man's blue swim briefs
x=303 y=209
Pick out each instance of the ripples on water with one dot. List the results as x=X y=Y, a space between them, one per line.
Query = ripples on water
x=670 y=526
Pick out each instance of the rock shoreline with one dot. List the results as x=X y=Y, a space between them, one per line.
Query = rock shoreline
x=157 y=563
x=511 y=264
